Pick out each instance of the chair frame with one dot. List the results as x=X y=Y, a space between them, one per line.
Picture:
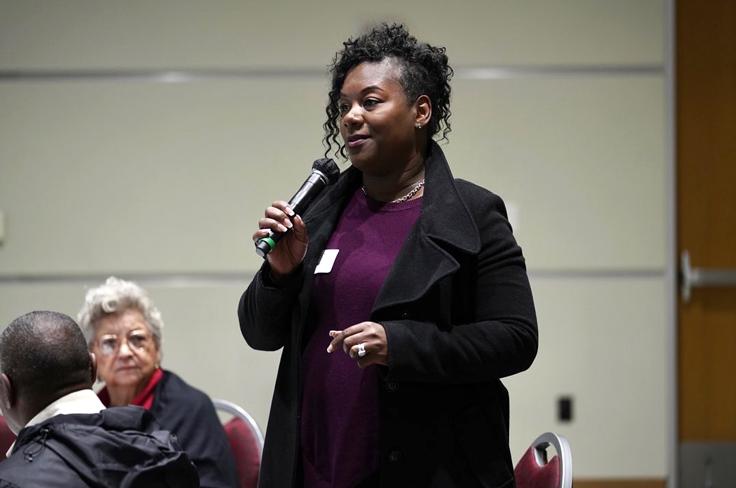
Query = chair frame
x=237 y=411
x=562 y=447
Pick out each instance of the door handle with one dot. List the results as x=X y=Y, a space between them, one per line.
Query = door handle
x=701 y=277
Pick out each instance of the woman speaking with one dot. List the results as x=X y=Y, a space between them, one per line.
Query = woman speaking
x=400 y=297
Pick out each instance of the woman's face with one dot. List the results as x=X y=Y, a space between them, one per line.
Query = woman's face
x=127 y=354
x=376 y=119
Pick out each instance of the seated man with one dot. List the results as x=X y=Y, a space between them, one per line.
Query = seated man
x=66 y=437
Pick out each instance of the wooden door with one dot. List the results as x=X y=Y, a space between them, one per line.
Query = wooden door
x=706 y=221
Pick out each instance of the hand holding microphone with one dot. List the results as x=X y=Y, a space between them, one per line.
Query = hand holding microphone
x=282 y=221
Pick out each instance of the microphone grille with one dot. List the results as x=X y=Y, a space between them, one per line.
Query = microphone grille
x=327 y=167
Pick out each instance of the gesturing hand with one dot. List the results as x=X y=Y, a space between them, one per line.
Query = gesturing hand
x=369 y=337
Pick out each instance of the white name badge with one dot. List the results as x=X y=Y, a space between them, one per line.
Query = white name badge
x=327 y=261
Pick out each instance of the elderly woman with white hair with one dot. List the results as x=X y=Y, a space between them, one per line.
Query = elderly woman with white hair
x=123 y=330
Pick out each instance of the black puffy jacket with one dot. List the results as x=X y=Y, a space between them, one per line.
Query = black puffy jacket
x=119 y=447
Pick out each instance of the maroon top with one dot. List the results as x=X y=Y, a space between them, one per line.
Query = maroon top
x=339 y=416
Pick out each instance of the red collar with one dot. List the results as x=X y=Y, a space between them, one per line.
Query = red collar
x=144 y=398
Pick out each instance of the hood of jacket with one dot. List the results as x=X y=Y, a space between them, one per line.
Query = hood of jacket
x=120 y=446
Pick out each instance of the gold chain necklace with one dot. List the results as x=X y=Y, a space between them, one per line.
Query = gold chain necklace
x=414 y=190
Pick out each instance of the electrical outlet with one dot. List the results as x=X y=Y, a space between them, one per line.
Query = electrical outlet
x=564 y=409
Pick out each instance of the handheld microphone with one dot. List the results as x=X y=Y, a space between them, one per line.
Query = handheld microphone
x=324 y=172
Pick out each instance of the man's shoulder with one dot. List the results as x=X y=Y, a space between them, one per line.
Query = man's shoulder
x=12 y=464
x=129 y=418
x=108 y=446
x=36 y=464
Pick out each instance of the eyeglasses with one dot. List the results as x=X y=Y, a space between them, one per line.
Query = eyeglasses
x=137 y=340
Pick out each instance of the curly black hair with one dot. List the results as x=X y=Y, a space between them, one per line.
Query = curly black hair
x=424 y=71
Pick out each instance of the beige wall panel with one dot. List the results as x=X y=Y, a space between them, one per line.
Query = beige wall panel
x=136 y=177
x=580 y=159
x=202 y=340
x=139 y=177
x=192 y=34
x=603 y=342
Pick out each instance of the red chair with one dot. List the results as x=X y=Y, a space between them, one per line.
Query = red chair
x=536 y=470
x=6 y=438
x=246 y=442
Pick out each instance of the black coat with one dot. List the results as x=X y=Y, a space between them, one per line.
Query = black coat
x=458 y=314
x=189 y=413
x=119 y=447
